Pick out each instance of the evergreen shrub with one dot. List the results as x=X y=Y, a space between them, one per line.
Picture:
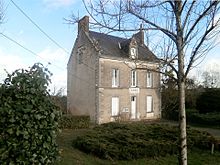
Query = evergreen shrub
x=208 y=101
x=122 y=141
x=74 y=122
x=29 y=119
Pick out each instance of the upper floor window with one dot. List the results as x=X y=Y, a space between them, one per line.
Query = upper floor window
x=149 y=79
x=133 y=53
x=133 y=78
x=115 y=77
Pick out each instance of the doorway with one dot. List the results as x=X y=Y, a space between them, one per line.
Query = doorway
x=133 y=107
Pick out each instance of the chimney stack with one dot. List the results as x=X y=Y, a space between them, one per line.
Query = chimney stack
x=141 y=35
x=83 y=24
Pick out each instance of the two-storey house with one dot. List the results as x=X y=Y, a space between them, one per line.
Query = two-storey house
x=112 y=78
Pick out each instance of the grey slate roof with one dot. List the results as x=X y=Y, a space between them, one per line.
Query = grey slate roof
x=110 y=47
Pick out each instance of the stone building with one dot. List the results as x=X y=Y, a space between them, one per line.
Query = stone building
x=112 y=78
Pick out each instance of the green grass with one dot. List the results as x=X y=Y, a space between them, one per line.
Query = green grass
x=70 y=155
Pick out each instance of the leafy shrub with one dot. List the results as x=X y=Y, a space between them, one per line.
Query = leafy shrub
x=29 y=118
x=194 y=117
x=170 y=114
x=208 y=101
x=208 y=119
x=74 y=122
x=61 y=102
x=136 y=140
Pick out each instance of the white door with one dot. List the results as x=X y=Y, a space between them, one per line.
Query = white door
x=149 y=104
x=115 y=106
x=133 y=107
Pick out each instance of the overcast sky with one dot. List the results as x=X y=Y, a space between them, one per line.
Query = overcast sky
x=48 y=15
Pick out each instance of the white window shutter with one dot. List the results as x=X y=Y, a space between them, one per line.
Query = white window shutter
x=149 y=104
x=115 y=106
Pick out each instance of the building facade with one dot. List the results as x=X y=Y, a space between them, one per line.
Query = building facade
x=112 y=78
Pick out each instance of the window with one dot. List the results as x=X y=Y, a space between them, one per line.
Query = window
x=149 y=104
x=133 y=78
x=149 y=79
x=115 y=77
x=115 y=106
x=133 y=53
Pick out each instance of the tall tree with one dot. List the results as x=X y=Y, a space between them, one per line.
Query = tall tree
x=185 y=30
x=1 y=11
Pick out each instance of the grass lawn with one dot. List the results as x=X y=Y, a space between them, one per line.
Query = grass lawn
x=71 y=156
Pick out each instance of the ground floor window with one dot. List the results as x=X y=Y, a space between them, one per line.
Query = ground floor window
x=149 y=101
x=115 y=106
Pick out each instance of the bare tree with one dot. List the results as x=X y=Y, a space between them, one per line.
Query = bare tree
x=184 y=30
x=1 y=11
x=211 y=79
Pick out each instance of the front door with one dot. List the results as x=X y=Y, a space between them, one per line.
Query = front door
x=133 y=107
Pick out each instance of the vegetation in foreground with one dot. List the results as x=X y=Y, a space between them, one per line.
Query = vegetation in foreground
x=129 y=141
x=29 y=118
x=70 y=155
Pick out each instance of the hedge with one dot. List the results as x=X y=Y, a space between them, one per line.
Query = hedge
x=208 y=119
x=137 y=140
x=74 y=122
x=208 y=101
x=193 y=117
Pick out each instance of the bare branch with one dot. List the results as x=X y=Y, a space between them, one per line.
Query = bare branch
x=201 y=16
x=157 y=27
x=188 y=13
x=2 y=11
x=195 y=52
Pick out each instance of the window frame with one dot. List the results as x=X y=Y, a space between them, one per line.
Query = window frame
x=149 y=79
x=133 y=52
x=115 y=77
x=133 y=78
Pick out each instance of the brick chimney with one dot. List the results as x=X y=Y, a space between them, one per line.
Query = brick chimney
x=83 y=24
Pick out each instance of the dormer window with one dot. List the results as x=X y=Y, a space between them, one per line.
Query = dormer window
x=133 y=53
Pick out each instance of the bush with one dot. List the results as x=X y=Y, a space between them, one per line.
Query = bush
x=29 y=118
x=170 y=114
x=208 y=101
x=74 y=122
x=61 y=102
x=208 y=119
x=136 y=140
x=194 y=117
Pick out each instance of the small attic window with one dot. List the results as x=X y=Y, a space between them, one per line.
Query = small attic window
x=133 y=53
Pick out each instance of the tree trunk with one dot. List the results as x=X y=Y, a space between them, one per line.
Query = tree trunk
x=181 y=84
x=182 y=124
